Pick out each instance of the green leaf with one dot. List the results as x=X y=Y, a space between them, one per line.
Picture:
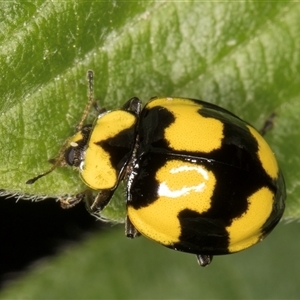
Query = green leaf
x=242 y=56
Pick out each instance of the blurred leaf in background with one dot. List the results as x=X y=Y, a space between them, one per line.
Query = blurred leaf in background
x=243 y=56
x=109 y=266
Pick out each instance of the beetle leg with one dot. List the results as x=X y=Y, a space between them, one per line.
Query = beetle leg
x=203 y=259
x=268 y=125
x=130 y=231
x=134 y=105
x=98 y=204
x=70 y=201
x=98 y=109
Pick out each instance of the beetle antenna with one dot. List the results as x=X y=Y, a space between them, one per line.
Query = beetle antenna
x=34 y=179
x=90 y=78
x=60 y=161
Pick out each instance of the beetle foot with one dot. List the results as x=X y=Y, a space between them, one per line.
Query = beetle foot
x=204 y=260
x=130 y=231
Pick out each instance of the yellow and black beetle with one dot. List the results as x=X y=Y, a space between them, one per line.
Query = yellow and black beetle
x=198 y=178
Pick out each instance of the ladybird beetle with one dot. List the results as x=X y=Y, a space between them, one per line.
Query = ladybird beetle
x=198 y=178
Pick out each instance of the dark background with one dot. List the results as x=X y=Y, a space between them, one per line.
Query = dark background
x=32 y=230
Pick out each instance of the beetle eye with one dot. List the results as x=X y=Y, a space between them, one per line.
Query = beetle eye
x=70 y=156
